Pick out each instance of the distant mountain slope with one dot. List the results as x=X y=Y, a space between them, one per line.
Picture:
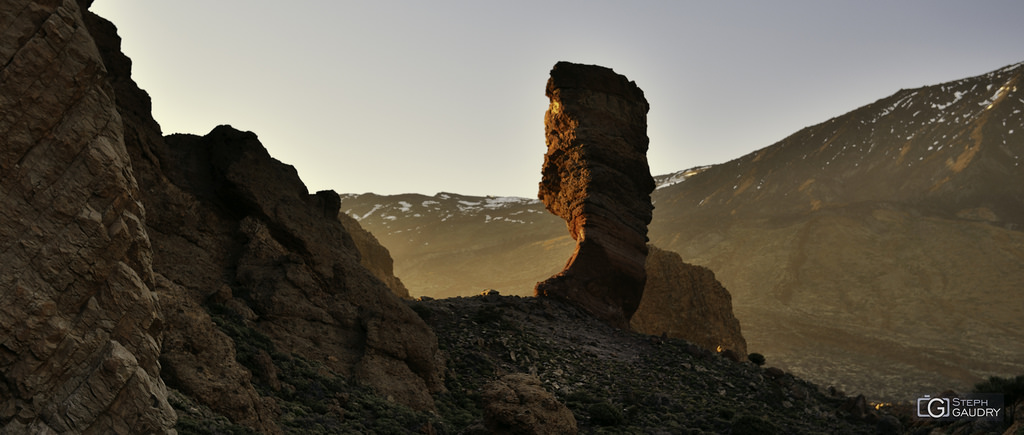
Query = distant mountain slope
x=951 y=149
x=890 y=234
x=881 y=251
x=449 y=245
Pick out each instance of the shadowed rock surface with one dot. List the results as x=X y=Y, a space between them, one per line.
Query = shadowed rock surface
x=196 y=357
x=261 y=287
x=288 y=266
x=519 y=404
x=686 y=301
x=595 y=176
x=373 y=256
x=80 y=325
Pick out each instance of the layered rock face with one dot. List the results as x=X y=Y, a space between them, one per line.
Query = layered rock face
x=686 y=301
x=236 y=231
x=101 y=217
x=595 y=176
x=80 y=325
x=279 y=258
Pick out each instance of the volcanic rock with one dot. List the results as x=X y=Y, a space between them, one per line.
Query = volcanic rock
x=282 y=256
x=373 y=256
x=595 y=176
x=101 y=214
x=686 y=301
x=80 y=325
x=519 y=404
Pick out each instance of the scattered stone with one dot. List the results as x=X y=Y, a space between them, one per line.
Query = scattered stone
x=583 y=361
x=774 y=373
x=856 y=407
x=890 y=425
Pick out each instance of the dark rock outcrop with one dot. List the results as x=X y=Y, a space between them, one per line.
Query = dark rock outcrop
x=80 y=325
x=287 y=264
x=102 y=217
x=595 y=176
x=686 y=301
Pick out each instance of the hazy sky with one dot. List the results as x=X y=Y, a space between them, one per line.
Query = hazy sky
x=427 y=96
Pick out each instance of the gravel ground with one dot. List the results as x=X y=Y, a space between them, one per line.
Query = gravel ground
x=617 y=381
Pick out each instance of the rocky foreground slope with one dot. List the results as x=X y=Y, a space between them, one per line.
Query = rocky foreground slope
x=616 y=381
x=523 y=363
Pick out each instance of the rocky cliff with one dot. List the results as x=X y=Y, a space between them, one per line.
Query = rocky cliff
x=132 y=259
x=280 y=259
x=374 y=256
x=80 y=323
x=595 y=176
x=686 y=301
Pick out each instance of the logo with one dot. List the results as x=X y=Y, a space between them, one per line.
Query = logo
x=976 y=406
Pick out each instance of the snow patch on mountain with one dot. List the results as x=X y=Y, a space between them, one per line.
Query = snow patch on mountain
x=663 y=181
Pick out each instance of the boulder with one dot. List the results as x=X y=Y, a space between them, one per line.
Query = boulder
x=519 y=404
x=80 y=323
x=596 y=177
x=686 y=301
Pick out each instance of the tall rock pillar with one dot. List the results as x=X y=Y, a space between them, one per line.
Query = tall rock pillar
x=595 y=176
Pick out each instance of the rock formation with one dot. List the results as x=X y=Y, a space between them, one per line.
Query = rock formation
x=374 y=256
x=686 y=301
x=131 y=259
x=80 y=325
x=595 y=176
x=279 y=258
x=519 y=404
x=236 y=228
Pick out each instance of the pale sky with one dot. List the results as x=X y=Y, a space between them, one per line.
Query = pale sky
x=428 y=96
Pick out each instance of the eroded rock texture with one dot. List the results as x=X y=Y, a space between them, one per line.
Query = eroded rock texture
x=519 y=404
x=241 y=232
x=231 y=236
x=595 y=176
x=686 y=301
x=80 y=325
